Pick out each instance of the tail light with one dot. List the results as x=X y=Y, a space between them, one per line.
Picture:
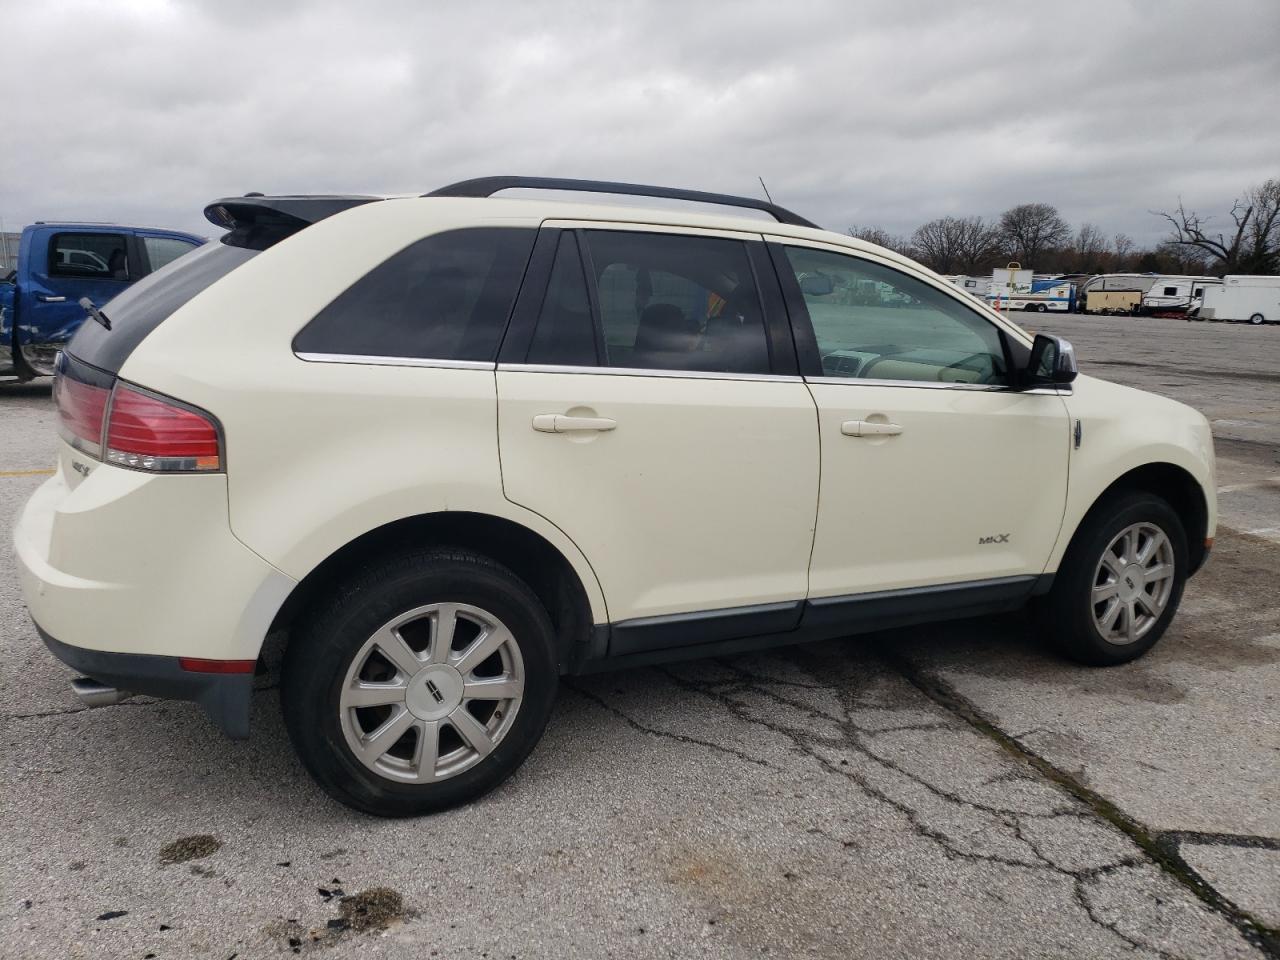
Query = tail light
x=131 y=427
x=149 y=432
x=81 y=408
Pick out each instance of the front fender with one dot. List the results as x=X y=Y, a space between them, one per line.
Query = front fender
x=1121 y=430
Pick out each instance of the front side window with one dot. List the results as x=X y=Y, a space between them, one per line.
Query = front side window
x=446 y=297
x=162 y=251
x=89 y=256
x=875 y=323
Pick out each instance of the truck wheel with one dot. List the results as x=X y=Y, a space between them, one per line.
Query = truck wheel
x=421 y=684
x=1257 y=319
x=1120 y=582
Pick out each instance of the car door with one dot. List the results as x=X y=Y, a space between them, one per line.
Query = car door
x=649 y=405
x=79 y=264
x=934 y=471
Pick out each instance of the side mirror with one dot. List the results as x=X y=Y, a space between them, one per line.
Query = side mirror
x=816 y=285
x=1053 y=361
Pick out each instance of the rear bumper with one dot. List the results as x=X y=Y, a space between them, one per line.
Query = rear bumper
x=134 y=563
x=225 y=697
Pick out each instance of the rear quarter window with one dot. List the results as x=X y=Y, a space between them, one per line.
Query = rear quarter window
x=445 y=297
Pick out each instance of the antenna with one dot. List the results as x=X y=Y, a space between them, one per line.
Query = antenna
x=765 y=189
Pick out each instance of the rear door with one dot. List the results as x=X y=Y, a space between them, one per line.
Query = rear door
x=74 y=264
x=934 y=471
x=649 y=405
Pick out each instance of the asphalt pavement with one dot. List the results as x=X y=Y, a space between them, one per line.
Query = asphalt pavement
x=952 y=790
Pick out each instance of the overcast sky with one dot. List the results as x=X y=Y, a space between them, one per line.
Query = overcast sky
x=853 y=112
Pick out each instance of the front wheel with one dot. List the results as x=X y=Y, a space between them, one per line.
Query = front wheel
x=1120 y=582
x=421 y=685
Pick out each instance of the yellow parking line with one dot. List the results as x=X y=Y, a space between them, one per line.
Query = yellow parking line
x=25 y=473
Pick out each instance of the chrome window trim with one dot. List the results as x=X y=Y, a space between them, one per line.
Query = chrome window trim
x=396 y=361
x=646 y=372
x=1065 y=390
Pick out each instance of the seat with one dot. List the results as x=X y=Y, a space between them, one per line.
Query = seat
x=665 y=338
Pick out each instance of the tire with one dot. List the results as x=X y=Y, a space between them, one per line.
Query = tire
x=1041 y=308
x=408 y=597
x=1069 y=613
x=1257 y=319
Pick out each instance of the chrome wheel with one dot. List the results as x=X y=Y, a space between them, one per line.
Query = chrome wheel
x=432 y=693
x=1132 y=583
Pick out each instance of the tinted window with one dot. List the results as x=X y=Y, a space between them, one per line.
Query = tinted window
x=873 y=322
x=162 y=251
x=565 y=333
x=141 y=308
x=92 y=256
x=672 y=302
x=446 y=297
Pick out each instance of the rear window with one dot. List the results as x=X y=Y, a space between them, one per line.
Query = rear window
x=446 y=297
x=145 y=305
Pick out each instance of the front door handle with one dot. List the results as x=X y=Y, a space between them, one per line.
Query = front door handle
x=45 y=298
x=869 y=428
x=562 y=423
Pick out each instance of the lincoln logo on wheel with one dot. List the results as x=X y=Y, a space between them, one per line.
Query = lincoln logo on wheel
x=435 y=691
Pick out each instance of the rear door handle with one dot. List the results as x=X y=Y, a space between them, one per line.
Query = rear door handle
x=562 y=423
x=869 y=428
x=45 y=298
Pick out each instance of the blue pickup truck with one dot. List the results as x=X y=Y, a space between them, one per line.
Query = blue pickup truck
x=58 y=265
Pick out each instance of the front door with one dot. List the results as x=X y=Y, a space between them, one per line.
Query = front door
x=655 y=418
x=933 y=471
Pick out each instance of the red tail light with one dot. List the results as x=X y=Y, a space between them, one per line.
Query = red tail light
x=80 y=410
x=148 y=432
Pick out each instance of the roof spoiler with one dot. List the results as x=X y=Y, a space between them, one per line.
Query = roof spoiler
x=488 y=186
x=257 y=221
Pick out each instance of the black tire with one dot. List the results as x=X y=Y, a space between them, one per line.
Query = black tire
x=1067 y=613
x=323 y=647
x=1041 y=308
x=1257 y=319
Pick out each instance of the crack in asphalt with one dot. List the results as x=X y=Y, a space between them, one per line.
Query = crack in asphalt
x=1157 y=850
x=1161 y=848
x=1176 y=838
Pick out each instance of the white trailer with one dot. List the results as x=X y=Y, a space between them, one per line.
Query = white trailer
x=1013 y=288
x=1242 y=299
x=1176 y=294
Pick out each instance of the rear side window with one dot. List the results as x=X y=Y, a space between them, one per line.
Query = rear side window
x=89 y=256
x=663 y=302
x=446 y=297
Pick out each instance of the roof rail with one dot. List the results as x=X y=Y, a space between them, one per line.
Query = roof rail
x=488 y=186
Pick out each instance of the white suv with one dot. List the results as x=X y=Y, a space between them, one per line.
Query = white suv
x=457 y=446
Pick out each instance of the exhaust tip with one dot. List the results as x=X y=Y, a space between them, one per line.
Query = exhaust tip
x=95 y=694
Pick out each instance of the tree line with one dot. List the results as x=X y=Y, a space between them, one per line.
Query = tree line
x=1036 y=235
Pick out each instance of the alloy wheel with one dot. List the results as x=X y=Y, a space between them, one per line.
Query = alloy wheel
x=432 y=693
x=1133 y=583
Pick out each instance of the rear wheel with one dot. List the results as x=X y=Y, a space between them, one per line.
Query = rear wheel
x=421 y=685
x=1257 y=319
x=1120 y=582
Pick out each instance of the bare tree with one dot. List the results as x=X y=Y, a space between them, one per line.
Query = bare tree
x=1123 y=246
x=1089 y=248
x=1250 y=245
x=1031 y=230
x=881 y=238
x=1177 y=258
x=956 y=244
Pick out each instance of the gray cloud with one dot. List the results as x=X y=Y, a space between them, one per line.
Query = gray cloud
x=869 y=113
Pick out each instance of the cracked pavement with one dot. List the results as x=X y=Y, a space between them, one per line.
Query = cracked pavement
x=944 y=791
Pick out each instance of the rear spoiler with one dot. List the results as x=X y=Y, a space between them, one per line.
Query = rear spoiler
x=256 y=221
